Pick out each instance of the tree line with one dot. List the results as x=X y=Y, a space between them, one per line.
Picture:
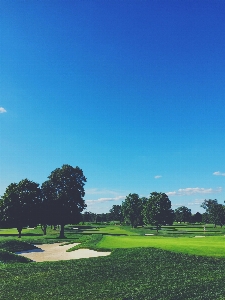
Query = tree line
x=59 y=200
x=156 y=210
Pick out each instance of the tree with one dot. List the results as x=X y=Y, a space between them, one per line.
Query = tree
x=205 y=218
x=63 y=195
x=157 y=210
x=214 y=211
x=197 y=218
x=88 y=216
x=131 y=209
x=182 y=214
x=116 y=213
x=20 y=204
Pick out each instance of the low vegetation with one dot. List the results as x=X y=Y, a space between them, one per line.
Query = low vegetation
x=139 y=273
x=140 y=267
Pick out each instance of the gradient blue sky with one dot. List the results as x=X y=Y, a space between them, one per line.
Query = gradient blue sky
x=131 y=91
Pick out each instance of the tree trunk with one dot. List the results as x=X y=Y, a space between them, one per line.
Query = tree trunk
x=19 y=229
x=44 y=229
x=61 y=235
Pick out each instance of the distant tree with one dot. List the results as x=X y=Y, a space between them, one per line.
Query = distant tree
x=132 y=209
x=89 y=217
x=182 y=214
x=116 y=213
x=205 y=218
x=63 y=195
x=157 y=210
x=214 y=211
x=20 y=204
x=196 y=218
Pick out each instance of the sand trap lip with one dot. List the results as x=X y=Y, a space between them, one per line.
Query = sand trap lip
x=54 y=252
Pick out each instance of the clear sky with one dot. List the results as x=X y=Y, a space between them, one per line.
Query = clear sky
x=132 y=92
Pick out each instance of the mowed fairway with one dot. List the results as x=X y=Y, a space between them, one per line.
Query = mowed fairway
x=206 y=246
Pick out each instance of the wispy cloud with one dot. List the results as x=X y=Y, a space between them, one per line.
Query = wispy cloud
x=178 y=204
x=2 y=110
x=196 y=202
x=96 y=191
x=218 y=173
x=192 y=191
x=101 y=200
x=158 y=176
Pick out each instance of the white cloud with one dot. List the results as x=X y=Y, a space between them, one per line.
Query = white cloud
x=218 y=173
x=101 y=200
x=96 y=191
x=191 y=191
x=196 y=202
x=158 y=176
x=178 y=204
x=2 y=110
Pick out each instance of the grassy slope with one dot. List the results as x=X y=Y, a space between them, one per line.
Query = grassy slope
x=208 y=246
x=141 y=273
x=138 y=273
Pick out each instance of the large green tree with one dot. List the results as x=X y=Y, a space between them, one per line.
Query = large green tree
x=196 y=218
x=132 y=209
x=20 y=204
x=116 y=213
x=157 y=210
x=214 y=211
x=63 y=194
x=182 y=214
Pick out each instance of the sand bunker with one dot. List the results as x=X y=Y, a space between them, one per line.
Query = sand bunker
x=54 y=252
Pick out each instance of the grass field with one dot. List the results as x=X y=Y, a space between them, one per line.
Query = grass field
x=213 y=246
x=172 y=265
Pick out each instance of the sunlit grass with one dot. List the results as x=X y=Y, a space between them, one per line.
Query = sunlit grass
x=207 y=246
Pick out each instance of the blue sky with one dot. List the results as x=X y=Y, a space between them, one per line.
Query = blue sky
x=131 y=91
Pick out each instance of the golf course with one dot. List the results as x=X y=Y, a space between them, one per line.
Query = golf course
x=179 y=262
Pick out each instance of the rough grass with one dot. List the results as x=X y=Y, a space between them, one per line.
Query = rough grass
x=16 y=246
x=207 y=246
x=9 y=257
x=139 y=273
x=7 y=248
x=127 y=274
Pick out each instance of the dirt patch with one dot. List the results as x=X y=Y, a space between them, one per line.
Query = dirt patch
x=54 y=252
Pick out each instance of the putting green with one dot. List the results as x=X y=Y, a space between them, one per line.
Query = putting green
x=207 y=246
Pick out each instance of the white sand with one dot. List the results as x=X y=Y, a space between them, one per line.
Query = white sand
x=54 y=252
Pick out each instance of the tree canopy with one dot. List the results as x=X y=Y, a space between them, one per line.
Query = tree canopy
x=157 y=210
x=116 y=213
x=182 y=214
x=63 y=194
x=132 y=209
x=215 y=212
x=20 y=204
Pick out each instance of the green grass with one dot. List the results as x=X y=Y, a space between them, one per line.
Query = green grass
x=157 y=267
x=15 y=245
x=9 y=257
x=105 y=229
x=208 y=246
x=7 y=247
x=139 y=273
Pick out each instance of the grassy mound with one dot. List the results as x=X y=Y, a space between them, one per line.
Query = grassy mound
x=9 y=257
x=16 y=246
x=7 y=248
